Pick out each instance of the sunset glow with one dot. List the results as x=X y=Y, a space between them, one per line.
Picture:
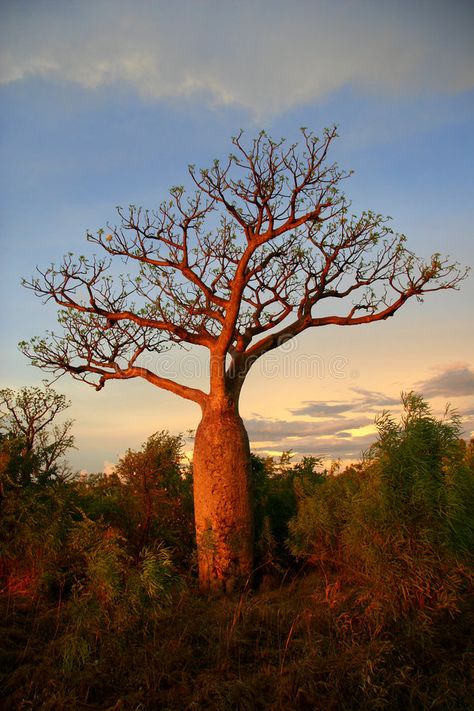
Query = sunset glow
x=85 y=128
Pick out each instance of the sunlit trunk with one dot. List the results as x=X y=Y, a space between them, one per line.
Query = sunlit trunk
x=221 y=467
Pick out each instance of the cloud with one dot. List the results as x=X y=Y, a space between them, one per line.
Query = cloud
x=368 y=401
x=373 y=398
x=345 y=430
x=454 y=381
x=316 y=408
x=264 y=55
x=330 y=448
x=335 y=448
x=329 y=439
x=108 y=468
x=268 y=430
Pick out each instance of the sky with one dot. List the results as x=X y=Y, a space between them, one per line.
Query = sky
x=106 y=103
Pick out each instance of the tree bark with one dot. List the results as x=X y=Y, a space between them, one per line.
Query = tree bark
x=223 y=515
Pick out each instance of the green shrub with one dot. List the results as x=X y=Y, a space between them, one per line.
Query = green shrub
x=155 y=488
x=402 y=521
x=114 y=596
x=276 y=487
x=316 y=531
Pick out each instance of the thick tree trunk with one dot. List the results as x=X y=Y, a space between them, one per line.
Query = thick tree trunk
x=221 y=466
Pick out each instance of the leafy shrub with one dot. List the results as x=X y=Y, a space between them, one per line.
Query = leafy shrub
x=50 y=532
x=113 y=595
x=156 y=496
x=34 y=526
x=316 y=531
x=276 y=487
x=403 y=521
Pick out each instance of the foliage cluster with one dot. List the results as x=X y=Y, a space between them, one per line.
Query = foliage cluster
x=31 y=447
x=404 y=516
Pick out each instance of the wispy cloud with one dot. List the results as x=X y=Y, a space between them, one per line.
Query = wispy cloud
x=345 y=429
x=456 y=380
x=336 y=448
x=317 y=408
x=367 y=401
x=329 y=448
x=332 y=438
x=339 y=430
x=269 y=430
x=266 y=56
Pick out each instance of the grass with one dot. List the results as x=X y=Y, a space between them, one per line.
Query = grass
x=308 y=644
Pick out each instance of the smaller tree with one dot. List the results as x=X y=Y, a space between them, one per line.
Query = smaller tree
x=31 y=446
x=157 y=493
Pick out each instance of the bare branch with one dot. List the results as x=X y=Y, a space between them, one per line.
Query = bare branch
x=265 y=248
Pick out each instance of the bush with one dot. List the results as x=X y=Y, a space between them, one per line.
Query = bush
x=34 y=526
x=156 y=496
x=147 y=503
x=316 y=531
x=113 y=596
x=403 y=521
x=276 y=486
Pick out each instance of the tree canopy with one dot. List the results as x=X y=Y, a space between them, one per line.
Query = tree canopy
x=265 y=248
x=32 y=445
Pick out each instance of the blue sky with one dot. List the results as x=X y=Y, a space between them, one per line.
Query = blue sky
x=106 y=103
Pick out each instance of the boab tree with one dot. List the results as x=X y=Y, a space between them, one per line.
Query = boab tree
x=264 y=248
